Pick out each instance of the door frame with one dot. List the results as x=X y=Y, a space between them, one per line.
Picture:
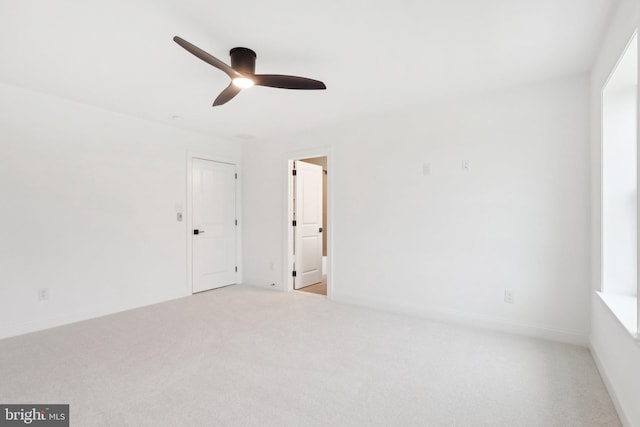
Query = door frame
x=288 y=257
x=189 y=213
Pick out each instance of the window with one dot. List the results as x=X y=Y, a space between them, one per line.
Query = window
x=619 y=188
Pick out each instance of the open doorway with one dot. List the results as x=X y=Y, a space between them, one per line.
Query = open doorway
x=308 y=204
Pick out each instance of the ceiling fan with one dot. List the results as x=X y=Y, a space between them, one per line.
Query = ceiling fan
x=242 y=72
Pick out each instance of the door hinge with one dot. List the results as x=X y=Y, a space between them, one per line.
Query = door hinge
x=294 y=222
x=295 y=172
x=236 y=176
x=236 y=222
x=320 y=230
x=294 y=273
x=236 y=268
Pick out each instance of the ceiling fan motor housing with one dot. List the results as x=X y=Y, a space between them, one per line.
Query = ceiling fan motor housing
x=243 y=60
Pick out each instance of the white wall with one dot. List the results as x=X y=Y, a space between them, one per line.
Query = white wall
x=264 y=214
x=89 y=201
x=614 y=349
x=447 y=245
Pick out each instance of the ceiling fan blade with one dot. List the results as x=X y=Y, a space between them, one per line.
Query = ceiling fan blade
x=207 y=57
x=227 y=94
x=287 y=82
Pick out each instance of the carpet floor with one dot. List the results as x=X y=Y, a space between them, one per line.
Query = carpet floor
x=243 y=356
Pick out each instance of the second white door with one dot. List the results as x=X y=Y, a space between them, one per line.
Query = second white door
x=214 y=224
x=308 y=229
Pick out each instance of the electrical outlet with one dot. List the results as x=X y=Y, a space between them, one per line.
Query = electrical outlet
x=509 y=297
x=43 y=294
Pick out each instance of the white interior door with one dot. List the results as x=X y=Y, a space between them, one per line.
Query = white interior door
x=308 y=229
x=214 y=224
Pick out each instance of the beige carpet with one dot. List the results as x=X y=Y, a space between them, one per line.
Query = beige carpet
x=241 y=356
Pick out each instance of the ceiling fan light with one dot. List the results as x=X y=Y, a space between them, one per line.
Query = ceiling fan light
x=243 y=82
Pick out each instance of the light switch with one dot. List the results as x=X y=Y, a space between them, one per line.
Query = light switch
x=179 y=216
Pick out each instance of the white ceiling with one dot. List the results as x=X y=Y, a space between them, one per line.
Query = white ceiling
x=373 y=55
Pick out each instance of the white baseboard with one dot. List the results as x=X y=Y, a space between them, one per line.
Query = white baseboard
x=471 y=320
x=609 y=385
x=86 y=313
x=15 y=329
